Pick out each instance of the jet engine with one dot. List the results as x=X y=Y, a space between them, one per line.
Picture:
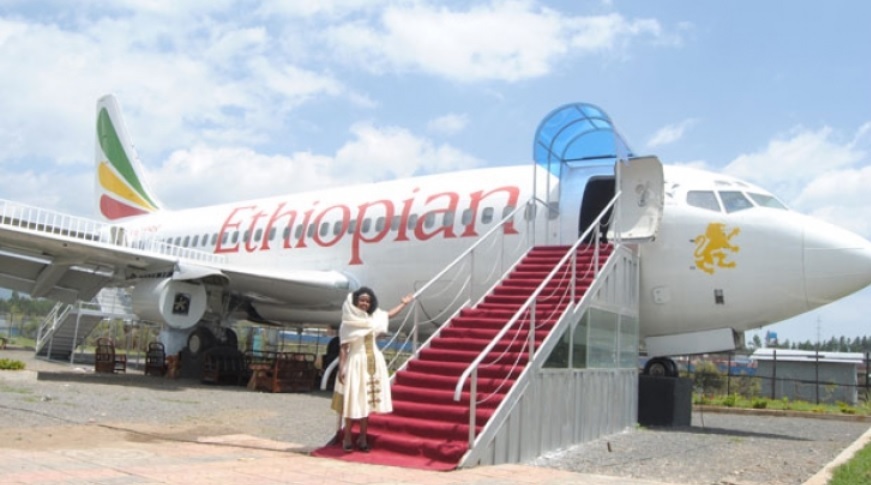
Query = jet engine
x=179 y=304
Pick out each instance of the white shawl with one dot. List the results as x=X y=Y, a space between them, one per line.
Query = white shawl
x=356 y=323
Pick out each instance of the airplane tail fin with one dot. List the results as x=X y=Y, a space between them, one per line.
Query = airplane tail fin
x=121 y=189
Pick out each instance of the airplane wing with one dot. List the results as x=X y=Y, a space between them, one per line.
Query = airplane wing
x=65 y=258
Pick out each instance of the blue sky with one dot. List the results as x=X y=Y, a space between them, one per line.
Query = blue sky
x=231 y=100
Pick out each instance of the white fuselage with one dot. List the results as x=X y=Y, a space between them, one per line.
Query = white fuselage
x=706 y=268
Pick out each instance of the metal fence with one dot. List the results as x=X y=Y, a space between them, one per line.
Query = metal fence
x=814 y=380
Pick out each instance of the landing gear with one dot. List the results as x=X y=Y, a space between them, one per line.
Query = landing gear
x=661 y=367
x=200 y=340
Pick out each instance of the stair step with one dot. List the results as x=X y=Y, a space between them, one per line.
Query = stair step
x=426 y=429
x=452 y=356
x=441 y=396
x=435 y=449
x=440 y=413
x=449 y=383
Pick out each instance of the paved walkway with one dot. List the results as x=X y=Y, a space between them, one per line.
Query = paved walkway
x=234 y=459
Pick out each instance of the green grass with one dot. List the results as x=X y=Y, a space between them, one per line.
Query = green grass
x=857 y=470
x=10 y=364
x=784 y=404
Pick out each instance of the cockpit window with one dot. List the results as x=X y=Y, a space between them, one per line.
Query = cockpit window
x=703 y=199
x=734 y=201
x=763 y=200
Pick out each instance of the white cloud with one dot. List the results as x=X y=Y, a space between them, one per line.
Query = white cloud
x=816 y=172
x=448 y=124
x=202 y=176
x=791 y=162
x=504 y=40
x=670 y=133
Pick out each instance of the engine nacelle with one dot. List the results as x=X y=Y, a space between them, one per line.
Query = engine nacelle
x=179 y=304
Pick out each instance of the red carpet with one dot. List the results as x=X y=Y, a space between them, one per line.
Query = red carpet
x=427 y=428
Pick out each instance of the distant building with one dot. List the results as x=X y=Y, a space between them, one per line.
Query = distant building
x=795 y=373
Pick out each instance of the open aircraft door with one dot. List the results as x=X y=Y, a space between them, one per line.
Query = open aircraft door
x=638 y=211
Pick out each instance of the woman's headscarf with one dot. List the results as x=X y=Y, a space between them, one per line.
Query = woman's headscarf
x=356 y=323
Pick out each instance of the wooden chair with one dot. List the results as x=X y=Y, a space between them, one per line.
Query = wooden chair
x=155 y=360
x=105 y=358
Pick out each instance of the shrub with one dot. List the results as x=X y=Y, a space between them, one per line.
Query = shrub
x=759 y=403
x=9 y=364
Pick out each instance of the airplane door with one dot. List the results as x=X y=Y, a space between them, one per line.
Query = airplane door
x=639 y=208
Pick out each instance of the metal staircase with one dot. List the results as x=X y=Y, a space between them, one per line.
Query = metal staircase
x=521 y=369
x=67 y=326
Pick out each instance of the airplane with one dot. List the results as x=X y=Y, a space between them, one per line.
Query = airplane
x=718 y=255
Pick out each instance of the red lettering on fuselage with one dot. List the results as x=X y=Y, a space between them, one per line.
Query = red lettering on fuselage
x=229 y=224
x=440 y=209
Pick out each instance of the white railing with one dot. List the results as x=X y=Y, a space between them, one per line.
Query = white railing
x=42 y=221
x=471 y=275
x=528 y=309
x=57 y=314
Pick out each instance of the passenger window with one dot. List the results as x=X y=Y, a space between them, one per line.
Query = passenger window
x=311 y=230
x=196 y=241
x=272 y=232
x=298 y=233
x=187 y=240
x=177 y=241
x=412 y=221
x=379 y=224
x=246 y=236
x=225 y=237
x=352 y=226
x=448 y=219
x=337 y=228
x=487 y=215
x=215 y=238
x=235 y=237
x=429 y=220
x=325 y=228
x=529 y=212
x=734 y=201
x=703 y=199
x=367 y=224
x=467 y=217
x=394 y=224
x=507 y=210
x=285 y=234
x=258 y=234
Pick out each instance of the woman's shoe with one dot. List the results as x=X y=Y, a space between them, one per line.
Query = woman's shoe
x=348 y=447
x=364 y=447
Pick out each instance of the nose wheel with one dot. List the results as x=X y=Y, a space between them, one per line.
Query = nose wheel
x=661 y=367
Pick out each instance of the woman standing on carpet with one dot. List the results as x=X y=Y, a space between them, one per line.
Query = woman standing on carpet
x=363 y=385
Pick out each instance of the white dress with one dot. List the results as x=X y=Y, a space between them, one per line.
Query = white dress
x=366 y=388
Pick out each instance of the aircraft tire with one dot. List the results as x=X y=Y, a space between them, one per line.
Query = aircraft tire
x=661 y=367
x=200 y=340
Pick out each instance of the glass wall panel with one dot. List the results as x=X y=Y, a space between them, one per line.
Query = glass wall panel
x=628 y=342
x=559 y=356
x=603 y=339
x=579 y=342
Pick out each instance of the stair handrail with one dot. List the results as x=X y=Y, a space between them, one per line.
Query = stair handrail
x=456 y=262
x=50 y=322
x=472 y=369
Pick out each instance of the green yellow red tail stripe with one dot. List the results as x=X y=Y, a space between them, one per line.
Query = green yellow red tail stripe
x=122 y=192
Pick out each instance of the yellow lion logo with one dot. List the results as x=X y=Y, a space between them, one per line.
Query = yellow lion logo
x=712 y=247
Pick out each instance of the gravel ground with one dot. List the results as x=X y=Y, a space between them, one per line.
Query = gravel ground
x=717 y=449
x=72 y=405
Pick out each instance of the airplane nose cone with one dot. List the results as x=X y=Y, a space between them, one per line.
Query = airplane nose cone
x=837 y=262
